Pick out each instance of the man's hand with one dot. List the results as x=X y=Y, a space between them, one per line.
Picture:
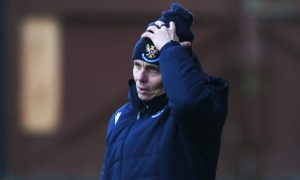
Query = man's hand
x=161 y=35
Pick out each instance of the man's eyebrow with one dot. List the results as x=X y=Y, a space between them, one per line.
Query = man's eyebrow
x=147 y=66
x=136 y=62
x=152 y=66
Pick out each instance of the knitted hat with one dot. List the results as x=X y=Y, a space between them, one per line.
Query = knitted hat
x=145 y=50
x=183 y=19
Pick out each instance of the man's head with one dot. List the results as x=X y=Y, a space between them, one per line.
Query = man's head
x=146 y=70
x=148 y=80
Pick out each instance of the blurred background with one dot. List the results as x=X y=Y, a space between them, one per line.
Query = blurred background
x=65 y=65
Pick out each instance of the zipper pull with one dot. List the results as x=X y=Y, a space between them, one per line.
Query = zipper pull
x=138 y=116
x=140 y=112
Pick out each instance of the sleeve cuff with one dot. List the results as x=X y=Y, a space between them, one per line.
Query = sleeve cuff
x=169 y=45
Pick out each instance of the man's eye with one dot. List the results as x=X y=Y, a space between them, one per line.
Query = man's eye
x=154 y=70
x=137 y=65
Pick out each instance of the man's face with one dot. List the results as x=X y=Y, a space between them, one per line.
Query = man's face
x=148 y=80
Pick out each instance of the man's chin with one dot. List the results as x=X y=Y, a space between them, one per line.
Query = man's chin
x=144 y=97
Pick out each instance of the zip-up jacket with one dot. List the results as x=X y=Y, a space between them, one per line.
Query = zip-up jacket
x=175 y=136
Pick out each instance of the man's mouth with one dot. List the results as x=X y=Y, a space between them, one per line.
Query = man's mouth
x=142 y=90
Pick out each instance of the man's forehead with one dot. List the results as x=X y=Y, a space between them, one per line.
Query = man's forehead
x=146 y=64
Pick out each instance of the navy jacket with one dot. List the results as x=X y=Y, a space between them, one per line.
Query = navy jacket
x=174 y=136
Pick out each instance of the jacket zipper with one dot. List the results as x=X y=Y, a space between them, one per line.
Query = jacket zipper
x=138 y=117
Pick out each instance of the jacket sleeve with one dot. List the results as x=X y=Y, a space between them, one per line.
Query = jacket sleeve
x=194 y=97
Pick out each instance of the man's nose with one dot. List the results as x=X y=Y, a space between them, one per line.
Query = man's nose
x=142 y=75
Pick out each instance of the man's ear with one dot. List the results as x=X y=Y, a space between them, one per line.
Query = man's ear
x=186 y=43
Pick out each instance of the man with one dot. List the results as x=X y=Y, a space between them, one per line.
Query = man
x=171 y=127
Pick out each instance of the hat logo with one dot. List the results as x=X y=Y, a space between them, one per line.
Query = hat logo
x=152 y=52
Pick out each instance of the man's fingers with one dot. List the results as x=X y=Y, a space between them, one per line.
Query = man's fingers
x=159 y=23
x=186 y=44
x=163 y=27
x=147 y=35
x=152 y=28
x=172 y=26
x=172 y=29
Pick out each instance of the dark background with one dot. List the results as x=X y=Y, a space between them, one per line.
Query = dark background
x=253 y=44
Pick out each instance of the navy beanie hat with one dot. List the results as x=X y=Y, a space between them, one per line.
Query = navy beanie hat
x=183 y=19
x=145 y=50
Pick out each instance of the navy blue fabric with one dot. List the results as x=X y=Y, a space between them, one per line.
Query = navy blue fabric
x=141 y=50
x=174 y=136
x=183 y=20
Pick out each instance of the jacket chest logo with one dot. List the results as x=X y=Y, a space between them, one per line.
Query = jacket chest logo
x=158 y=113
x=117 y=116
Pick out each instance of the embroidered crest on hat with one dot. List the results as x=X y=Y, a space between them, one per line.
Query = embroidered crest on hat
x=151 y=54
x=151 y=50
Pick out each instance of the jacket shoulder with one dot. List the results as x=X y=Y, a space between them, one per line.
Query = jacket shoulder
x=118 y=115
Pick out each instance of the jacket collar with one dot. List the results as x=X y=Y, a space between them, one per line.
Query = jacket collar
x=152 y=106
